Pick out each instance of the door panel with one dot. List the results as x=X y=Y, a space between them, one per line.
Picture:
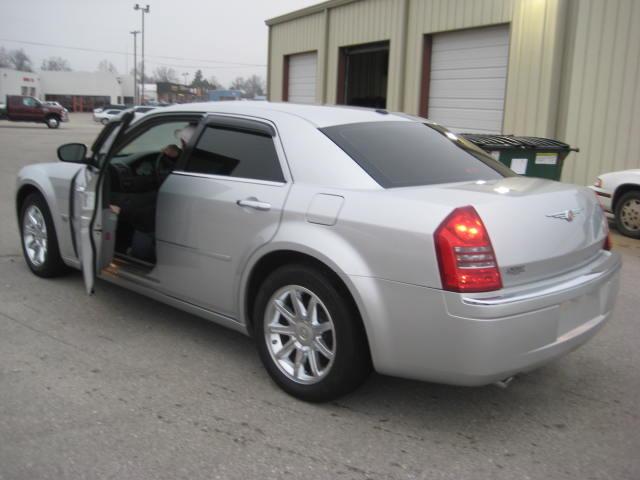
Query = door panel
x=84 y=201
x=204 y=237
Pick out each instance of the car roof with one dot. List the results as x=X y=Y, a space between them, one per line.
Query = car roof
x=319 y=115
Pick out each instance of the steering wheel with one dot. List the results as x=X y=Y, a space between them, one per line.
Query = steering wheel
x=163 y=166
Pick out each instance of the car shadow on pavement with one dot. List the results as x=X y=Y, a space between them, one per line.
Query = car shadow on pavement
x=540 y=400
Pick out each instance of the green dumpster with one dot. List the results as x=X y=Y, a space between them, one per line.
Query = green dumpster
x=528 y=156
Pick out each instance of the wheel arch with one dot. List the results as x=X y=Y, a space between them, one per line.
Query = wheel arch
x=36 y=181
x=24 y=191
x=620 y=191
x=261 y=267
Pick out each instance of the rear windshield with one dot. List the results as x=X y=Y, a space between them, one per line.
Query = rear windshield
x=406 y=154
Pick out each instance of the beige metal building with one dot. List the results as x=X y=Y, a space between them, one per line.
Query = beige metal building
x=565 y=69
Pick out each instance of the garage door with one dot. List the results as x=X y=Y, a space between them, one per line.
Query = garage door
x=302 y=78
x=468 y=79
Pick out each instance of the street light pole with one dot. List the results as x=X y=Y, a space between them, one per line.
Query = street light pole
x=135 y=65
x=143 y=10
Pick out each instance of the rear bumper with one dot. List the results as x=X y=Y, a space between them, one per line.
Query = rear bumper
x=428 y=334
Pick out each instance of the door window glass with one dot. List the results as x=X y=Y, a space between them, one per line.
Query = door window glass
x=234 y=153
x=155 y=139
x=29 y=102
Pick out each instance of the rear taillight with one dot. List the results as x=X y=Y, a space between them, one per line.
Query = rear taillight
x=465 y=254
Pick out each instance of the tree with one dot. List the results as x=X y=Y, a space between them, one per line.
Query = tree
x=199 y=81
x=214 y=84
x=106 y=66
x=165 y=74
x=19 y=60
x=254 y=85
x=147 y=78
x=5 y=61
x=250 y=87
x=55 y=64
x=237 y=84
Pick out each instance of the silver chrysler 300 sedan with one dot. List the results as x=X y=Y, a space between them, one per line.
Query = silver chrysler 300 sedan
x=341 y=239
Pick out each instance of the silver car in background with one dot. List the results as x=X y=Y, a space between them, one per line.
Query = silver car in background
x=341 y=239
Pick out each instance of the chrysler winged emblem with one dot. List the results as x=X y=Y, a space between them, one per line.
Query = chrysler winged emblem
x=567 y=215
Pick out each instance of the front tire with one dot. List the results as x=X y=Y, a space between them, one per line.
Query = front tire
x=104 y=121
x=627 y=214
x=39 y=241
x=309 y=336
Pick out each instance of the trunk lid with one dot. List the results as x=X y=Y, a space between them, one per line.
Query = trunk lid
x=538 y=228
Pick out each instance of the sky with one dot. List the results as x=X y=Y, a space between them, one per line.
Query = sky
x=225 y=39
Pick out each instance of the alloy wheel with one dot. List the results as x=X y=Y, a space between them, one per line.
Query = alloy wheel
x=34 y=235
x=300 y=334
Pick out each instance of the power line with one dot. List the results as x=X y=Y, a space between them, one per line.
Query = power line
x=166 y=57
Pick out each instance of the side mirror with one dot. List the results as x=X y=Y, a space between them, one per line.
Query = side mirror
x=73 y=153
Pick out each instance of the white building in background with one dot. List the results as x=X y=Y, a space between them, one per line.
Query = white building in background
x=84 y=91
x=13 y=82
x=77 y=91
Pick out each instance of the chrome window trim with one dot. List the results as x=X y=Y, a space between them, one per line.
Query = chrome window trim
x=285 y=168
x=226 y=177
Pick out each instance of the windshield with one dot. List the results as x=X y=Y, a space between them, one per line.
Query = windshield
x=405 y=154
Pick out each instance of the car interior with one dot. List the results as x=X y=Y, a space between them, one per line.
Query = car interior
x=134 y=176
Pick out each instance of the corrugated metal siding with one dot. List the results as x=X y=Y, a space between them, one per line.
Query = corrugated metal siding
x=302 y=35
x=365 y=22
x=573 y=65
x=600 y=108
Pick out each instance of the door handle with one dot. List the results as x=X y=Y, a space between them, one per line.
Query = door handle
x=254 y=203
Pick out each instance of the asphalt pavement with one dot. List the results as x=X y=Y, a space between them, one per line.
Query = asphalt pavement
x=119 y=386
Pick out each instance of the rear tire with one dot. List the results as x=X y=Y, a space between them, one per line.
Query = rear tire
x=318 y=351
x=53 y=122
x=39 y=241
x=627 y=214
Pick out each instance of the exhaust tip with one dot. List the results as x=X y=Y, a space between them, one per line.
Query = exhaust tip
x=504 y=383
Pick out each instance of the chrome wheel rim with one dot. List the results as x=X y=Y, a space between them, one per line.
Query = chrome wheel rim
x=630 y=214
x=300 y=334
x=34 y=235
x=53 y=122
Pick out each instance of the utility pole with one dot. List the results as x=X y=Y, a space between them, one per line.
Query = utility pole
x=135 y=66
x=143 y=10
x=185 y=75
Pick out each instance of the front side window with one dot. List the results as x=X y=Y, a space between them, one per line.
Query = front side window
x=405 y=154
x=154 y=140
x=235 y=153
x=29 y=102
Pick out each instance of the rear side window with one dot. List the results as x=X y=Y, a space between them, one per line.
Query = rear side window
x=405 y=154
x=234 y=153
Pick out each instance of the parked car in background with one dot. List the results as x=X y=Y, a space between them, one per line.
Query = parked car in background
x=341 y=239
x=54 y=104
x=619 y=195
x=106 y=116
x=143 y=108
x=20 y=108
x=110 y=107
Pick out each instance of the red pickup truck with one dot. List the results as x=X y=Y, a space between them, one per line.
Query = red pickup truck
x=29 y=109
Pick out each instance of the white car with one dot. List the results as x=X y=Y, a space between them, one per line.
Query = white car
x=106 y=116
x=619 y=195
